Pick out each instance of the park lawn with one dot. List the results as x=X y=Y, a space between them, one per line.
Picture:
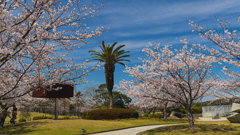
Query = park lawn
x=201 y=128
x=74 y=126
x=33 y=114
x=151 y=121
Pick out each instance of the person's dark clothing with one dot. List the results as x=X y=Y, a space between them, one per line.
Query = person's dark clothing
x=12 y=121
x=14 y=115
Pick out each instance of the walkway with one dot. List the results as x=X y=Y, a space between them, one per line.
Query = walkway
x=134 y=130
x=222 y=119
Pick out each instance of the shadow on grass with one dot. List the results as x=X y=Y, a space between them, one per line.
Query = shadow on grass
x=20 y=128
x=198 y=128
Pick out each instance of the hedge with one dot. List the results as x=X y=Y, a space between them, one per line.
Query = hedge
x=41 y=117
x=65 y=117
x=22 y=120
x=150 y=115
x=115 y=113
x=158 y=115
x=145 y=115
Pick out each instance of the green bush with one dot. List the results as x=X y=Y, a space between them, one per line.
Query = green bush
x=22 y=120
x=48 y=117
x=197 y=110
x=83 y=116
x=150 y=115
x=158 y=115
x=145 y=115
x=140 y=115
x=65 y=117
x=115 y=113
x=41 y=117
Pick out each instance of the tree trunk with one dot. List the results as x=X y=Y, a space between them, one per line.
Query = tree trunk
x=154 y=112
x=109 y=69
x=190 y=117
x=110 y=100
x=56 y=108
x=75 y=110
x=165 y=111
x=64 y=109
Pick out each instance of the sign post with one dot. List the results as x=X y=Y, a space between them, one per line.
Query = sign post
x=65 y=91
x=56 y=108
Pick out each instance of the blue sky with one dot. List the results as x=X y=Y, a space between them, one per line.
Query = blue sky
x=134 y=23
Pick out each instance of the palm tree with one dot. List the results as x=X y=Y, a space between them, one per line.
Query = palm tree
x=110 y=57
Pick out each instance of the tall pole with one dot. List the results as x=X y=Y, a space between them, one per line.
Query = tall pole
x=56 y=108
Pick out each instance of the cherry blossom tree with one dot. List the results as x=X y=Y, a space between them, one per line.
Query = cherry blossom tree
x=91 y=97
x=47 y=104
x=154 y=104
x=184 y=76
x=32 y=34
x=78 y=100
x=227 y=51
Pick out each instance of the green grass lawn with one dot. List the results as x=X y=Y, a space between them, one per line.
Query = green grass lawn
x=32 y=115
x=201 y=128
x=74 y=126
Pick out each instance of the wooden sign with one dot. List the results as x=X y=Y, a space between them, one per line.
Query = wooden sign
x=65 y=92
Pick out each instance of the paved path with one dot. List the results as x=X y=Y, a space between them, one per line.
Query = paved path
x=222 y=119
x=134 y=130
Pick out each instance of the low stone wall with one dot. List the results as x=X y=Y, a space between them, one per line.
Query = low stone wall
x=206 y=114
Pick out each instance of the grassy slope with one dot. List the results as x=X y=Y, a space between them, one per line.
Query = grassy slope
x=74 y=126
x=201 y=128
x=32 y=115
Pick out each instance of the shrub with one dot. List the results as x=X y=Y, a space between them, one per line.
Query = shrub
x=65 y=117
x=145 y=115
x=83 y=116
x=197 y=110
x=115 y=113
x=48 y=117
x=150 y=115
x=22 y=120
x=158 y=115
x=140 y=115
x=41 y=117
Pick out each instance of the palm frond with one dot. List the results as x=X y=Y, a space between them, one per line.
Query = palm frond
x=120 y=53
x=100 y=60
x=123 y=56
x=103 y=45
x=101 y=48
x=109 y=54
x=121 y=63
x=118 y=48
x=111 y=47
x=98 y=56
x=93 y=51
x=123 y=60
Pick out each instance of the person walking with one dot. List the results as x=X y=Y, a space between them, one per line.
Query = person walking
x=3 y=115
x=14 y=115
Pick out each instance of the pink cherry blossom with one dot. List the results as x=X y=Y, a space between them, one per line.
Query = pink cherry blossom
x=182 y=78
x=31 y=40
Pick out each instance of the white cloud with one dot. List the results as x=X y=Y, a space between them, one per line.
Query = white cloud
x=144 y=13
